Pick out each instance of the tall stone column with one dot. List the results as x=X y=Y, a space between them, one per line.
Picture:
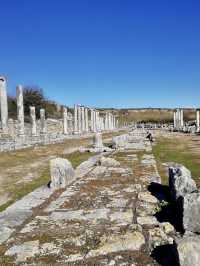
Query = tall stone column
x=86 y=120
x=106 y=122
x=91 y=120
x=198 y=120
x=182 y=119
x=20 y=110
x=33 y=121
x=65 y=121
x=43 y=129
x=117 y=123
x=175 y=122
x=75 y=119
x=79 y=120
x=113 y=122
x=97 y=120
x=109 y=121
x=3 y=103
x=94 y=121
x=82 y=119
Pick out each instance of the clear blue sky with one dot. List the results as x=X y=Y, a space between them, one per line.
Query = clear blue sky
x=107 y=53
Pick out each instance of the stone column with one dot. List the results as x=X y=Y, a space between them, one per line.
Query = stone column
x=97 y=120
x=4 y=104
x=82 y=119
x=182 y=120
x=175 y=124
x=94 y=120
x=65 y=121
x=198 y=120
x=79 y=120
x=106 y=122
x=91 y=120
x=117 y=123
x=75 y=119
x=20 y=110
x=42 y=122
x=109 y=121
x=33 y=121
x=86 y=120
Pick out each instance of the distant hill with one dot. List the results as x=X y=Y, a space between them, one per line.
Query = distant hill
x=149 y=114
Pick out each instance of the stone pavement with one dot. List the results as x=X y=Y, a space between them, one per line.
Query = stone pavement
x=105 y=217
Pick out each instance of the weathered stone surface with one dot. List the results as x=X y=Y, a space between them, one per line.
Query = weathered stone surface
x=20 y=110
x=98 y=171
x=3 y=103
x=5 y=233
x=191 y=212
x=189 y=251
x=147 y=197
x=180 y=181
x=167 y=228
x=119 y=141
x=129 y=241
x=147 y=221
x=62 y=173
x=109 y=162
x=86 y=166
x=24 y=251
x=97 y=141
x=156 y=237
x=33 y=121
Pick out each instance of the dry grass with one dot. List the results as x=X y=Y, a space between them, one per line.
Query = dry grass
x=178 y=149
x=15 y=165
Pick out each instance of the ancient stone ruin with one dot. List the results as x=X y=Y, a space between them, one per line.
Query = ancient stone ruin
x=18 y=134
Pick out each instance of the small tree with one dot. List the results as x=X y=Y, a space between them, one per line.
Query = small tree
x=12 y=107
x=33 y=96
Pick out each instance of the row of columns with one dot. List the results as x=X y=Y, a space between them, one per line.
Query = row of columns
x=96 y=123
x=81 y=121
x=20 y=111
x=179 y=119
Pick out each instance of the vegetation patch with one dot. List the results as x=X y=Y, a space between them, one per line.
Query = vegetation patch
x=176 y=150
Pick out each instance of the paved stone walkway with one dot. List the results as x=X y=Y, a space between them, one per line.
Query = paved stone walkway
x=106 y=217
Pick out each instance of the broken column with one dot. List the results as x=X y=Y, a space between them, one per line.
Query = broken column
x=65 y=121
x=33 y=121
x=4 y=104
x=42 y=121
x=20 y=110
x=97 y=141
x=62 y=173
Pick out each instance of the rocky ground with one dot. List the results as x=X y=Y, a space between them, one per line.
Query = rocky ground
x=105 y=217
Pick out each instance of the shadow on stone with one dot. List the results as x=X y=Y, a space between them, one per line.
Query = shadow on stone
x=172 y=213
x=166 y=255
x=161 y=192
